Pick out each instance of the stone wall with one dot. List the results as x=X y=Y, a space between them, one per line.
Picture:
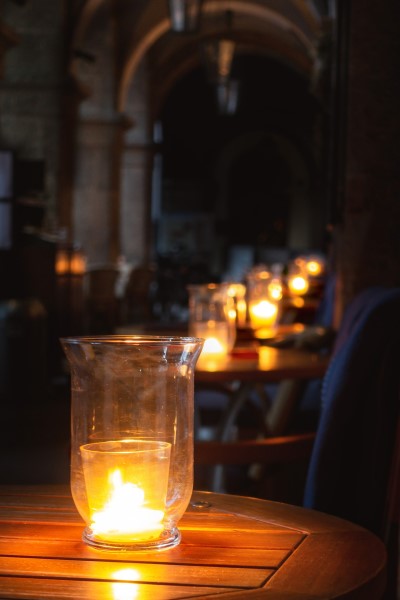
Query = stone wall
x=31 y=88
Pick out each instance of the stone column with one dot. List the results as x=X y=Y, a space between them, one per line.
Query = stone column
x=8 y=39
x=96 y=202
x=135 y=215
x=74 y=94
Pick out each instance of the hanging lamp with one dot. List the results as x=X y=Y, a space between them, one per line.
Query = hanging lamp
x=218 y=53
x=185 y=15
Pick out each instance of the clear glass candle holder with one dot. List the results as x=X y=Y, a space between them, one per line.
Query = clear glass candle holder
x=212 y=316
x=264 y=299
x=132 y=437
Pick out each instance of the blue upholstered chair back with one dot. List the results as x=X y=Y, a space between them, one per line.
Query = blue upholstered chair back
x=351 y=460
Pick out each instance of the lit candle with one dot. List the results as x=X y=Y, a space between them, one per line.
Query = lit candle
x=315 y=266
x=298 y=285
x=126 y=487
x=263 y=314
x=275 y=288
x=237 y=291
x=216 y=335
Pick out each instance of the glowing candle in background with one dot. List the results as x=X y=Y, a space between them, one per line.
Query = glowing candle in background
x=298 y=284
x=212 y=316
x=216 y=336
x=298 y=278
x=263 y=314
x=265 y=291
x=237 y=291
x=314 y=267
x=275 y=288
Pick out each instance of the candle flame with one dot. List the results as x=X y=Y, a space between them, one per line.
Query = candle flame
x=275 y=289
x=264 y=309
x=263 y=314
x=298 y=285
x=213 y=346
x=125 y=515
x=314 y=267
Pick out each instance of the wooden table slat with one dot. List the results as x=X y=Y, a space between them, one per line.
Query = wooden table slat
x=67 y=589
x=181 y=554
x=62 y=531
x=242 y=577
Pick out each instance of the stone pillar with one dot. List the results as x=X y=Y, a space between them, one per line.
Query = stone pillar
x=369 y=243
x=74 y=94
x=136 y=172
x=96 y=202
x=135 y=216
x=8 y=39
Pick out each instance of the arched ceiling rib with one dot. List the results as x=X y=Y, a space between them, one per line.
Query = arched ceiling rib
x=285 y=34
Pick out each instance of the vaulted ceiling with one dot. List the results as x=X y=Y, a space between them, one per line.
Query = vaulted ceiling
x=288 y=31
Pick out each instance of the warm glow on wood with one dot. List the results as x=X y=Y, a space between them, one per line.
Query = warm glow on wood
x=124 y=588
x=125 y=514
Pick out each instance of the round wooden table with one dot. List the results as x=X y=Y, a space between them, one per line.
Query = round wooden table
x=232 y=547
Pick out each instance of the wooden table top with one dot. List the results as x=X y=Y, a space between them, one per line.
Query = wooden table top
x=264 y=364
x=232 y=548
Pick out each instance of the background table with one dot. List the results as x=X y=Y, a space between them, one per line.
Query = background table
x=264 y=364
x=232 y=547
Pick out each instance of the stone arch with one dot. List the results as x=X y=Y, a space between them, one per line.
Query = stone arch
x=303 y=220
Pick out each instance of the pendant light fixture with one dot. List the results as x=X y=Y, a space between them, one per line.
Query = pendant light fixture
x=218 y=53
x=185 y=15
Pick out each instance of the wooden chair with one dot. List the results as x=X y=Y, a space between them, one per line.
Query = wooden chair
x=268 y=451
x=100 y=299
x=138 y=294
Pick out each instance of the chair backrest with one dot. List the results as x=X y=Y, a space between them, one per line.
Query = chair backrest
x=351 y=464
x=100 y=282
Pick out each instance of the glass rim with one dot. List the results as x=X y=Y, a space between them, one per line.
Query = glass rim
x=141 y=446
x=132 y=339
